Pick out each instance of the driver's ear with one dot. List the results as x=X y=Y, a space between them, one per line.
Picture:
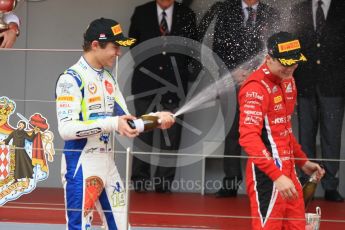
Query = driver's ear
x=94 y=44
x=269 y=58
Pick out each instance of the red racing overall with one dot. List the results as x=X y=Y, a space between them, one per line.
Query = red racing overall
x=266 y=105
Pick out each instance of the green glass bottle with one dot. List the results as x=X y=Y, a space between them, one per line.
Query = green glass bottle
x=309 y=189
x=144 y=123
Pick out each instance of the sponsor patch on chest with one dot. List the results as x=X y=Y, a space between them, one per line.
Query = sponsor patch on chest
x=92 y=87
x=277 y=99
x=108 y=87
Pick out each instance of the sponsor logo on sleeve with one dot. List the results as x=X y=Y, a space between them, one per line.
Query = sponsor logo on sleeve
x=252 y=112
x=88 y=132
x=64 y=87
x=65 y=119
x=64 y=113
x=254 y=95
x=65 y=98
x=64 y=105
x=253 y=103
x=249 y=106
x=252 y=120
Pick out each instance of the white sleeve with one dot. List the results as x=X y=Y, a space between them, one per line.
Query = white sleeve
x=11 y=17
x=69 y=112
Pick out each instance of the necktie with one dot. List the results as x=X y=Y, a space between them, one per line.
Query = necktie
x=320 y=18
x=251 y=17
x=163 y=27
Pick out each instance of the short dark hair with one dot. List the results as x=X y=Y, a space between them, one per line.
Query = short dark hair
x=87 y=45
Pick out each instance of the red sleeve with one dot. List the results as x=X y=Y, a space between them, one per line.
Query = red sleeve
x=254 y=102
x=300 y=156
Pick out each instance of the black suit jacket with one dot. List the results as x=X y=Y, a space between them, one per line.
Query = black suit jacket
x=329 y=50
x=145 y=26
x=235 y=44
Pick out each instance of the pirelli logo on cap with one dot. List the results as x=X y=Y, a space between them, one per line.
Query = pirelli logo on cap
x=288 y=46
x=116 y=29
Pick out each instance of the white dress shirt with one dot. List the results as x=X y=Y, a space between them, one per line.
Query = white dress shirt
x=246 y=13
x=169 y=12
x=324 y=6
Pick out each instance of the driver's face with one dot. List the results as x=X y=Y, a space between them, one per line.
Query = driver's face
x=251 y=2
x=278 y=69
x=164 y=4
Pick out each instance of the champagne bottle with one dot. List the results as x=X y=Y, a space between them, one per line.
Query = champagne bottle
x=309 y=189
x=144 y=123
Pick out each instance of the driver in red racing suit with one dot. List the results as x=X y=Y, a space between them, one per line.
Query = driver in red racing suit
x=267 y=99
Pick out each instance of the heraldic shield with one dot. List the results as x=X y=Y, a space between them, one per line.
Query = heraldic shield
x=24 y=152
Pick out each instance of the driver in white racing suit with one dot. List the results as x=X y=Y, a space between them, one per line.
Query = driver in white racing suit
x=90 y=107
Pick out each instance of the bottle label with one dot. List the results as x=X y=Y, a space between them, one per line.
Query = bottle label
x=139 y=125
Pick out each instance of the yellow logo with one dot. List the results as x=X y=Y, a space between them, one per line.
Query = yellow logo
x=288 y=46
x=278 y=99
x=128 y=42
x=94 y=99
x=291 y=61
x=116 y=29
x=65 y=98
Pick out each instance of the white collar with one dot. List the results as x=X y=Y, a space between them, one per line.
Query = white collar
x=83 y=62
x=168 y=11
x=326 y=3
x=325 y=6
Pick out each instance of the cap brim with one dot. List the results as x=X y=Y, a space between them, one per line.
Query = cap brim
x=126 y=42
x=292 y=60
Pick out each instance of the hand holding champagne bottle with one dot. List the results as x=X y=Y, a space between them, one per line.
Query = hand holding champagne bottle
x=317 y=172
x=147 y=122
x=309 y=189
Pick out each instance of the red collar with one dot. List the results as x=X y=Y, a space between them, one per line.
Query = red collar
x=273 y=78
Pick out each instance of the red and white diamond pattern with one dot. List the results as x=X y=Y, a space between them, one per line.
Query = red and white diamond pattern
x=4 y=161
